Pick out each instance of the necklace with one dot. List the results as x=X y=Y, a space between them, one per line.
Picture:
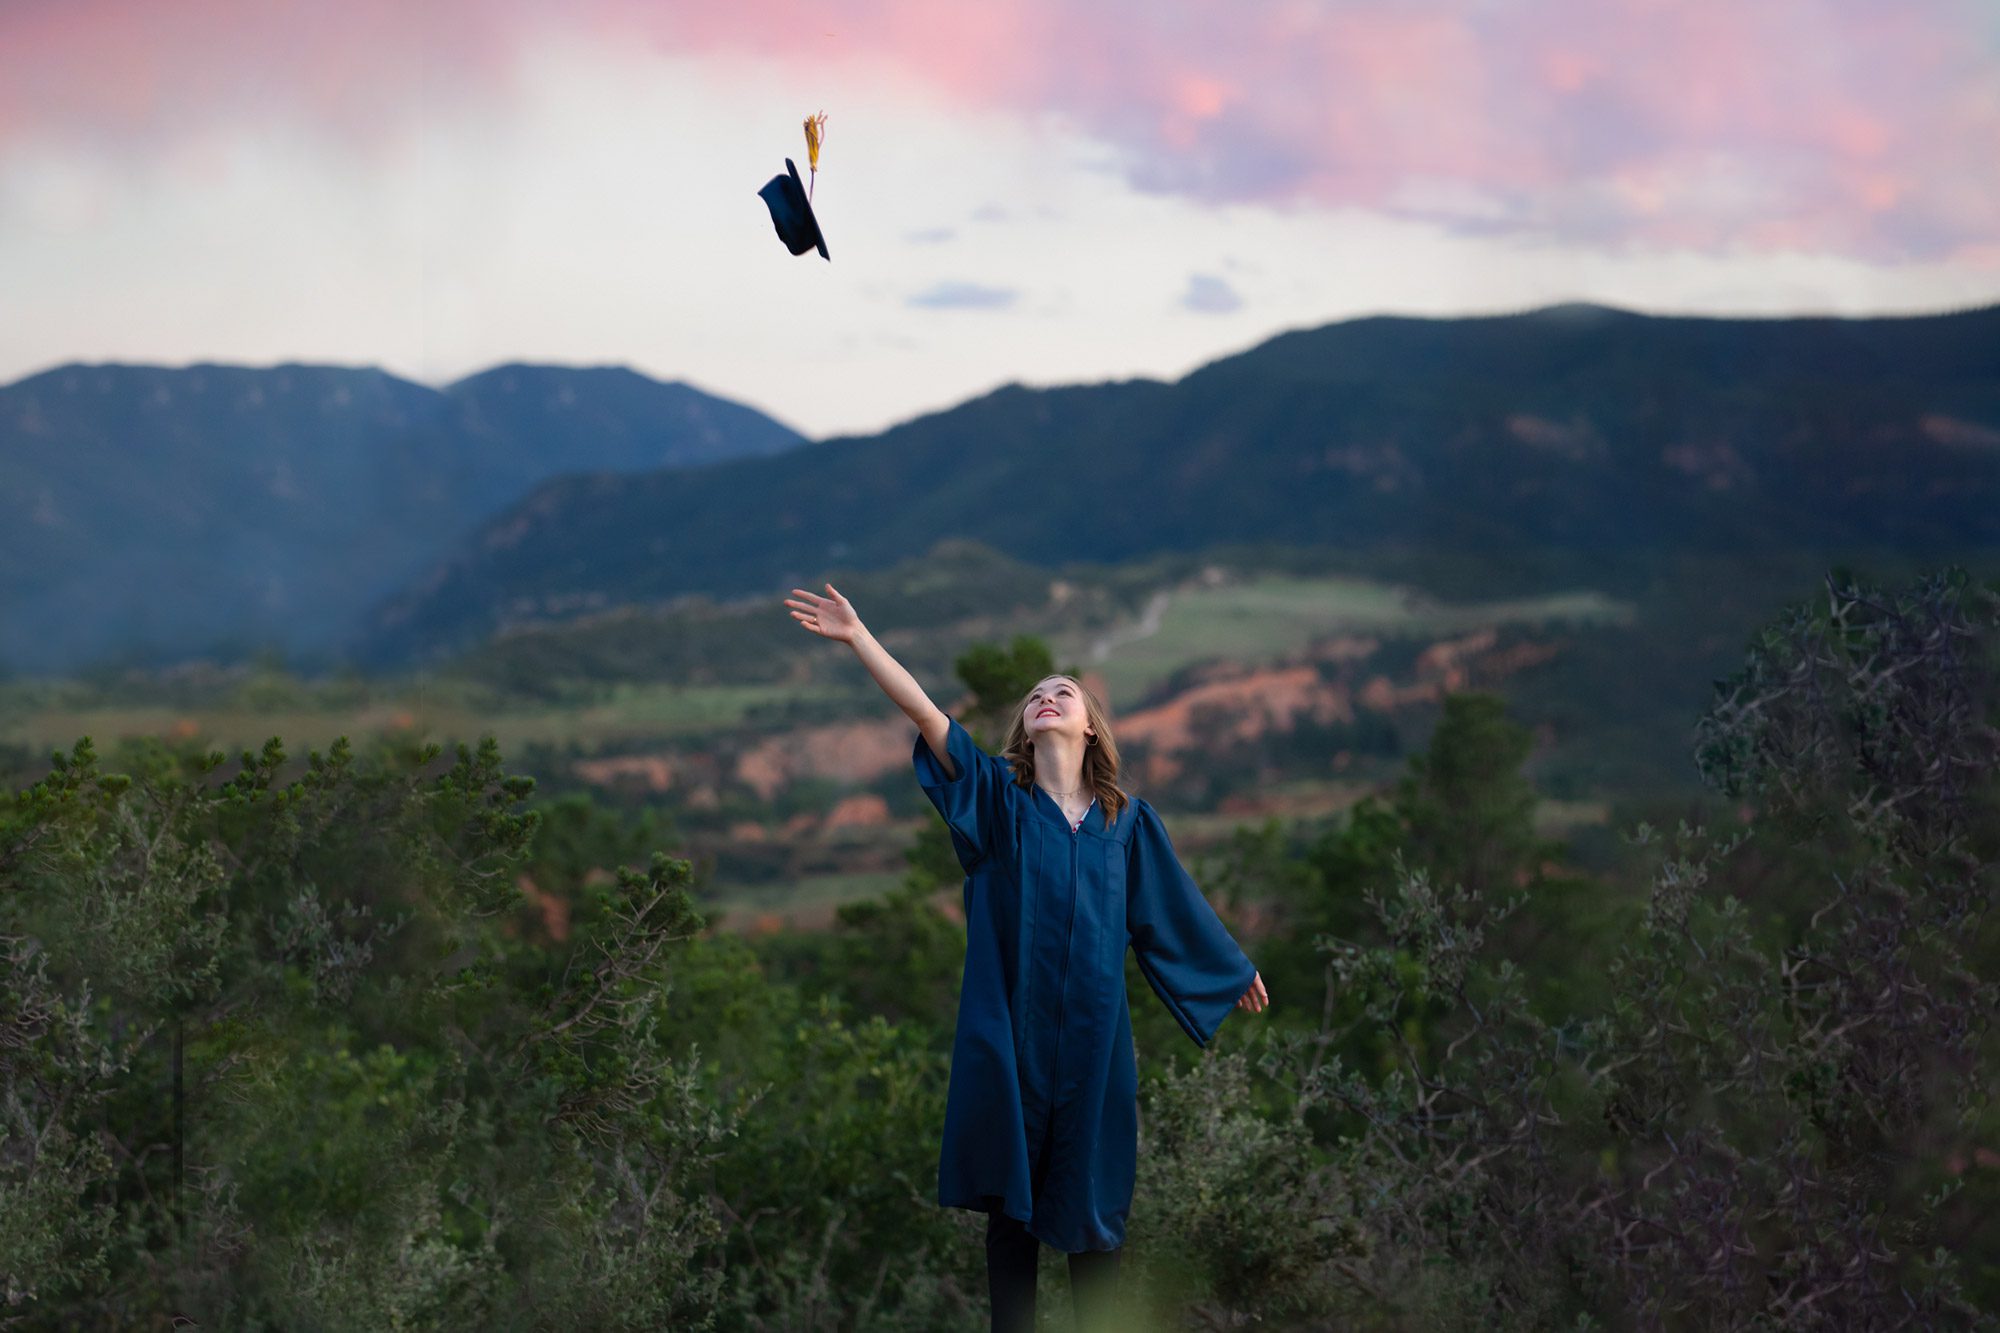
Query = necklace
x=1074 y=822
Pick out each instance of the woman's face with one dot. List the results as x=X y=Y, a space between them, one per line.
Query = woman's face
x=1056 y=705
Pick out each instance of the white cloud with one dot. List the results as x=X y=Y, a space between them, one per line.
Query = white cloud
x=612 y=217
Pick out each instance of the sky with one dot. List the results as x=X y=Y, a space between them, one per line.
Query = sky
x=1037 y=191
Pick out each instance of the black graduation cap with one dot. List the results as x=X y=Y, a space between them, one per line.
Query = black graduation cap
x=792 y=213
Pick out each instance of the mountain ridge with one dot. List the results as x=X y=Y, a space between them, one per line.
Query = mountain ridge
x=163 y=512
x=1593 y=431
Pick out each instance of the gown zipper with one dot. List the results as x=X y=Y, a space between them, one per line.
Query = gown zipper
x=1062 y=986
x=1062 y=983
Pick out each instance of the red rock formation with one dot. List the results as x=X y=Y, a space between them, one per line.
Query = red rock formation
x=654 y=772
x=553 y=907
x=853 y=751
x=1258 y=701
x=1445 y=660
x=862 y=810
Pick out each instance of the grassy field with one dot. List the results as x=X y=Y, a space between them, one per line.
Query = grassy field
x=629 y=712
x=1265 y=617
x=1552 y=818
x=1253 y=620
x=808 y=902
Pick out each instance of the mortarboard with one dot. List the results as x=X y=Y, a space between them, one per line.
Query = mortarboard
x=792 y=213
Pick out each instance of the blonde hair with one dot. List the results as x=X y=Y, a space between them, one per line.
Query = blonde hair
x=1100 y=755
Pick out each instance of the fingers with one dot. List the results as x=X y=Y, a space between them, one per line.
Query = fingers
x=807 y=613
x=813 y=599
x=808 y=607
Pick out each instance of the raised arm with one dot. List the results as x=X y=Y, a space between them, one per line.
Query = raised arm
x=834 y=617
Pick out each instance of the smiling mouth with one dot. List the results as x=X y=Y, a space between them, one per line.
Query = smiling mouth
x=1047 y=712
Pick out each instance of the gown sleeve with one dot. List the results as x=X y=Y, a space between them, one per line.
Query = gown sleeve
x=973 y=802
x=1185 y=952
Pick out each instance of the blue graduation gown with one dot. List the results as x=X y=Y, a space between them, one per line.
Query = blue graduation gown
x=1041 y=1119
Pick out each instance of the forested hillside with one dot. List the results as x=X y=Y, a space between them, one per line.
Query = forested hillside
x=1556 y=448
x=155 y=514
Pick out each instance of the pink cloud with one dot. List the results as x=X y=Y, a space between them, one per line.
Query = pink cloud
x=1843 y=126
x=132 y=73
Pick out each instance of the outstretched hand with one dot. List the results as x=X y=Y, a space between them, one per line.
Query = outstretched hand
x=1256 y=998
x=829 y=617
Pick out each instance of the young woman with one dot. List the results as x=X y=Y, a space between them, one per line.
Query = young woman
x=1064 y=872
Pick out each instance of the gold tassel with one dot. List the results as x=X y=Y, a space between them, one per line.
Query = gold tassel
x=815 y=135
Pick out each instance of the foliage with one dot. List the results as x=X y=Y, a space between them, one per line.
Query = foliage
x=1468 y=812
x=289 y=1048
x=274 y=1056
x=1748 y=1134
x=1000 y=679
x=1238 y=1213
x=828 y=1188
x=1461 y=813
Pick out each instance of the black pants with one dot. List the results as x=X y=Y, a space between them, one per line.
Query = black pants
x=1011 y=1255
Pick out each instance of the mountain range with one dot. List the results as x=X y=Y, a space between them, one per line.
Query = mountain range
x=155 y=514
x=343 y=514
x=1607 y=437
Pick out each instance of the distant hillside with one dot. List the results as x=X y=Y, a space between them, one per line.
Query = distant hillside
x=603 y=418
x=159 y=514
x=1598 y=435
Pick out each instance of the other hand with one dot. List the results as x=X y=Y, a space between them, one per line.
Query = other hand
x=1256 y=998
x=829 y=617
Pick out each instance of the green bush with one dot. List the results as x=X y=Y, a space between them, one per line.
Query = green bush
x=288 y=1048
x=1752 y=1131
x=276 y=1057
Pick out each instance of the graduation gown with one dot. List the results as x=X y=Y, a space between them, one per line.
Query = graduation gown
x=1041 y=1118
